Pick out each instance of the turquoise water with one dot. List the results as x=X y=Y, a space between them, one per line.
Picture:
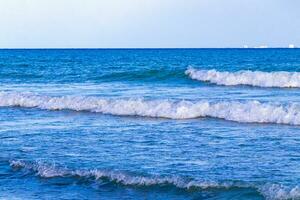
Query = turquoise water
x=150 y=124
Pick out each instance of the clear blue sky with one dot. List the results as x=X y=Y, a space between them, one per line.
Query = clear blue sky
x=148 y=23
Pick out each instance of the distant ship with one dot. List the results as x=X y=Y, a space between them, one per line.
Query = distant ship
x=262 y=47
x=291 y=46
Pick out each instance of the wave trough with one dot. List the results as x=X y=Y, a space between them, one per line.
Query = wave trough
x=252 y=78
x=248 y=111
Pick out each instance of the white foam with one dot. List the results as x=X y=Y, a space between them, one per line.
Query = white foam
x=46 y=171
x=52 y=171
x=252 y=78
x=269 y=191
x=248 y=111
x=279 y=192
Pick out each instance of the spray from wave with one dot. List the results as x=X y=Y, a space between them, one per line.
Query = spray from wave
x=43 y=170
x=252 y=78
x=248 y=111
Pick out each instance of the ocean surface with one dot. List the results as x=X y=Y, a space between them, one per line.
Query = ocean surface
x=150 y=124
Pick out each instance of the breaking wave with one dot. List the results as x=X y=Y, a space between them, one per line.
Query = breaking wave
x=252 y=78
x=51 y=171
x=43 y=170
x=248 y=111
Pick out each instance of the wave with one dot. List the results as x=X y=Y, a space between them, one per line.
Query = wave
x=252 y=78
x=148 y=74
x=248 y=111
x=279 y=192
x=51 y=171
x=43 y=170
x=106 y=74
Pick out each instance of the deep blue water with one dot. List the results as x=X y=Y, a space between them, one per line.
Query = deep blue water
x=135 y=124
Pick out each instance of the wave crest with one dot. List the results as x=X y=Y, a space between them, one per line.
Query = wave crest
x=43 y=170
x=279 y=192
x=51 y=171
x=249 y=111
x=252 y=78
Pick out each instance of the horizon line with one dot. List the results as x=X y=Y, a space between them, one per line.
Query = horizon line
x=141 y=48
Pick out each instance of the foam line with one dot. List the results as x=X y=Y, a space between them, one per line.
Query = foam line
x=239 y=111
x=252 y=78
x=269 y=191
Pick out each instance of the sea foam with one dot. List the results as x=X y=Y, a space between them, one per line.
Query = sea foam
x=239 y=111
x=269 y=191
x=251 y=78
x=51 y=171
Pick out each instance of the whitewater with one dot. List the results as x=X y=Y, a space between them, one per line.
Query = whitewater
x=44 y=170
x=252 y=78
x=249 y=111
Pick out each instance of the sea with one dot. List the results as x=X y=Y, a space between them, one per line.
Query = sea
x=153 y=124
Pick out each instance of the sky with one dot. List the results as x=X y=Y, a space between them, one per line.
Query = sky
x=148 y=23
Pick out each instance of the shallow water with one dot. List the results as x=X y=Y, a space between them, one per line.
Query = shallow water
x=132 y=124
